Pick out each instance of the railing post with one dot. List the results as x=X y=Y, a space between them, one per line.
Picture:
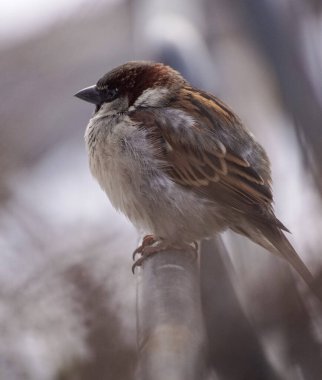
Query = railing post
x=171 y=335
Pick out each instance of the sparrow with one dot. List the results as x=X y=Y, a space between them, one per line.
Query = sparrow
x=179 y=163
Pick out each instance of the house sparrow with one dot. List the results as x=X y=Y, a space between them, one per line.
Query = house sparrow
x=178 y=162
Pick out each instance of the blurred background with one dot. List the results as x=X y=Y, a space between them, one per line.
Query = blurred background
x=67 y=295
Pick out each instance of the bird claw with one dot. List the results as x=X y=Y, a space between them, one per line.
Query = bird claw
x=147 y=241
x=147 y=250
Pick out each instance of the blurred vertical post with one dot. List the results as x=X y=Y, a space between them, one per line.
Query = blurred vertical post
x=232 y=337
x=171 y=31
x=171 y=338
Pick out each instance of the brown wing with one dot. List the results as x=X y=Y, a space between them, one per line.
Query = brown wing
x=202 y=168
x=206 y=149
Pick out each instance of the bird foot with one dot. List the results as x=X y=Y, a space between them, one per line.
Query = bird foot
x=147 y=241
x=150 y=248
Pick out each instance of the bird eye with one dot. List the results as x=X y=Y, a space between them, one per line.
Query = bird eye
x=109 y=94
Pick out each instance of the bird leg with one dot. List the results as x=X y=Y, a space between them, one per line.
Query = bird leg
x=150 y=248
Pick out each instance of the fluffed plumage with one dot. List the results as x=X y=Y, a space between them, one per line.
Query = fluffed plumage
x=178 y=162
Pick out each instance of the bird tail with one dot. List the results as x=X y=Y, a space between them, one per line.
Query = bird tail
x=279 y=244
x=270 y=236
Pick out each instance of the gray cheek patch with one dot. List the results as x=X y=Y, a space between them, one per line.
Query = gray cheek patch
x=151 y=97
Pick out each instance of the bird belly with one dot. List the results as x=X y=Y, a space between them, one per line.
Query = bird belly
x=125 y=165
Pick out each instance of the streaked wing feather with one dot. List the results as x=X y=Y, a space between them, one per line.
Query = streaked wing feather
x=244 y=180
x=196 y=155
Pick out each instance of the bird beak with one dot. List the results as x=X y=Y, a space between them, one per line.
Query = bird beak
x=90 y=94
